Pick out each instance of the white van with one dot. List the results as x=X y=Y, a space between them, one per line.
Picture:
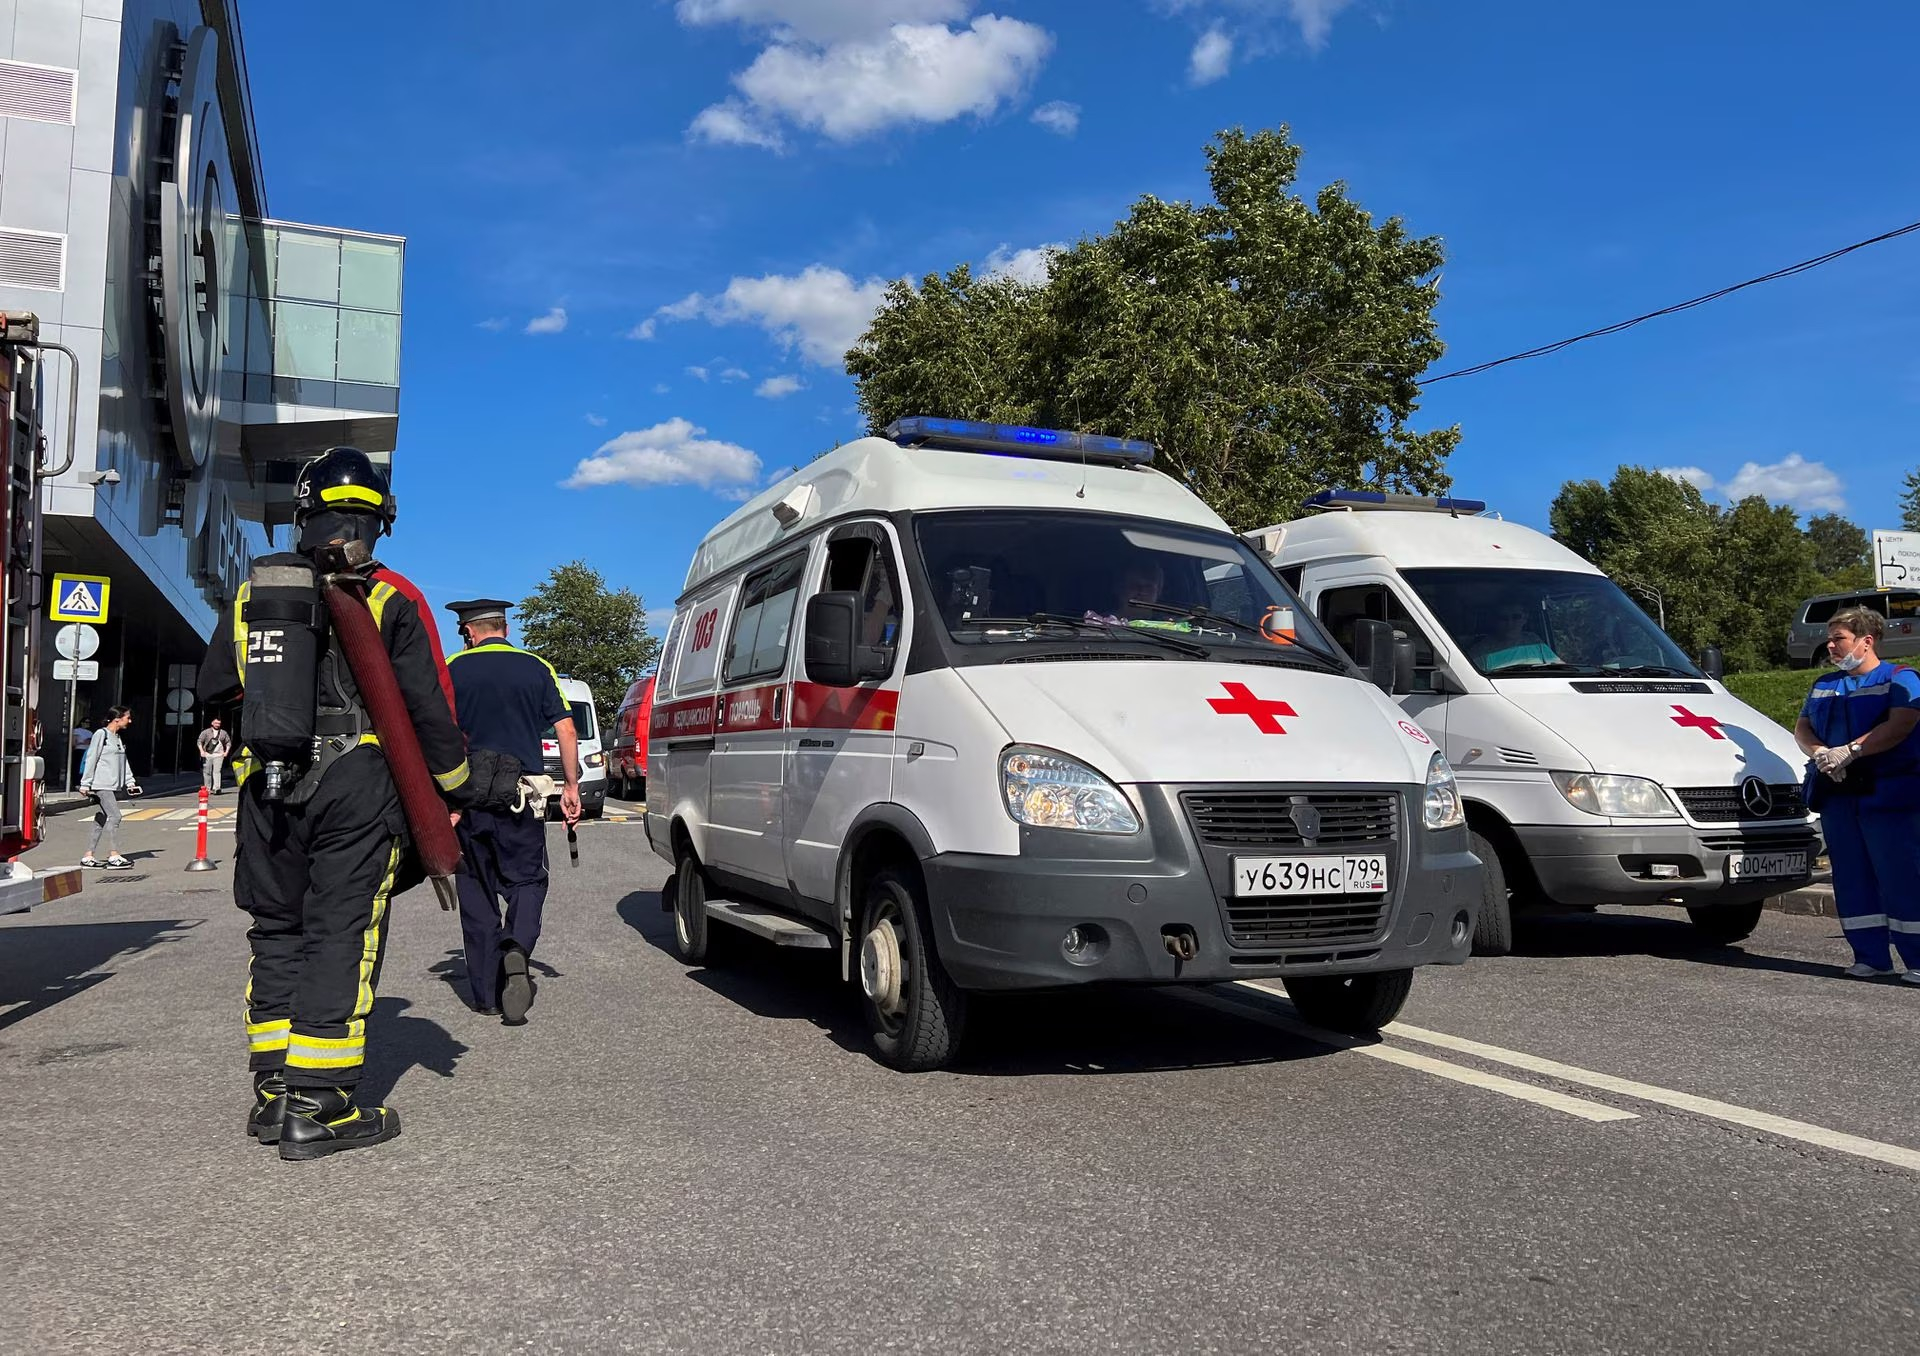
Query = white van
x=593 y=758
x=992 y=708
x=1599 y=764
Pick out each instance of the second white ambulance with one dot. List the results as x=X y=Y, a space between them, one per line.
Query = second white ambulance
x=1600 y=765
x=995 y=708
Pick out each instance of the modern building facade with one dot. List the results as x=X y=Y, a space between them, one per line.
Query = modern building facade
x=218 y=348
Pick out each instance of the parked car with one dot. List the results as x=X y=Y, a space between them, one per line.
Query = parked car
x=1807 y=637
x=593 y=760
x=627 y=754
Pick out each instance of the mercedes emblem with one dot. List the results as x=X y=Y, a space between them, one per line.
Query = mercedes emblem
x=1757 y=797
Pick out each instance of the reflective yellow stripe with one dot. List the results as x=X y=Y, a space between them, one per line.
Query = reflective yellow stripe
x=370 y=944
x=297 y=1060
x=240 y=630
x=268 y=1035
x=367 y=739
x=355 y=1039
x=454 y=780
x=339 y=494
x=377 y=600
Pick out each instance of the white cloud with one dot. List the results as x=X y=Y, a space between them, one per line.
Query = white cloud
x=644 y=330
x=821 y=20
x=552 y=322
x=773 y=388
x=734 y=374
x=672 y=453
x=493 y=324
x=1027 y=266
x=837 y=69
x=1810 y=486
x=1313 y=18
x=597 y=420
x=820 y=311
x=1059 y=117
x=697 y=373
x=661 y=388
x=1211 y=58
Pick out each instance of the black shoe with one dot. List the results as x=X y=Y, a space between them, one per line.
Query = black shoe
x=488 y=1012
x=269 y=1105
x=516 y=987
x=322 y=1121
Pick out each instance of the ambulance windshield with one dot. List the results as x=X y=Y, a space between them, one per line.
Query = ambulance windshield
x=1005 y=576
x=1548 y=624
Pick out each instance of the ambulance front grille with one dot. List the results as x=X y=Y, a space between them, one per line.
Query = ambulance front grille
x=1323 y=920
x=1266 y=819
x=1723 y=804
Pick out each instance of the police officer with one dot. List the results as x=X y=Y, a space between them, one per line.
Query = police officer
x=506 y=697
x=319 y=852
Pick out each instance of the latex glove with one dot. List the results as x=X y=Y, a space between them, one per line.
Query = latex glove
x=1835 y=761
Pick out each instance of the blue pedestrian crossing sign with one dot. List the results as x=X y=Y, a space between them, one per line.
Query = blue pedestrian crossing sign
x=80 y=598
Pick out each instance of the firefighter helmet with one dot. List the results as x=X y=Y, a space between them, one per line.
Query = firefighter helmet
x=343 y=478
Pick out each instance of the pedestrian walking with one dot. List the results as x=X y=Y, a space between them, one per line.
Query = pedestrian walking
x=214 y=744
x=506 y=697
x=322 y=835
x=1857 y=726
x=107 y=777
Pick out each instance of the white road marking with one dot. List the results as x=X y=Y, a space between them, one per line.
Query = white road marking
x=1763 y=1121
x=1408 y=1059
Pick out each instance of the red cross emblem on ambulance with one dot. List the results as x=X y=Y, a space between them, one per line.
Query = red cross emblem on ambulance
x=1240 y=701
x=1690 y=721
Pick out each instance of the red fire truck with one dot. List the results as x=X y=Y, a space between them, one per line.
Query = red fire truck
x=22 y=769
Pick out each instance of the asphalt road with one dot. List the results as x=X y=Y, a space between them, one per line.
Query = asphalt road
x=1724 y=1155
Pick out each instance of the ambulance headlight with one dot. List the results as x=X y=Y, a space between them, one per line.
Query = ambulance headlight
x=1051 y=791
x=1442 y=807
x=1608 y=793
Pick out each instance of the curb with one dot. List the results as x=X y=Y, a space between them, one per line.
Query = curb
x=1812 y=901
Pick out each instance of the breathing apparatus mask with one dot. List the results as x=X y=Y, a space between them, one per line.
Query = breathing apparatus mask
x=347 y=528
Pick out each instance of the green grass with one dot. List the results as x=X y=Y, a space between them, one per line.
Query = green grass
x=1778 y=693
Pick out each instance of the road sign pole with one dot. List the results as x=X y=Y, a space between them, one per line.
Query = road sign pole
x=73 y=693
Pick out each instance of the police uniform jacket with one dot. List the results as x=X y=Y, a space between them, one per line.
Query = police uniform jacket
x=506 y=698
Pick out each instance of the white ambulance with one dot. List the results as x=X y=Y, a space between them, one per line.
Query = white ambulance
x=1600 y=765
x=987 y=708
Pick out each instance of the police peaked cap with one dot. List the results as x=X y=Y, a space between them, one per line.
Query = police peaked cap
x=344 y=478
x=479 y=609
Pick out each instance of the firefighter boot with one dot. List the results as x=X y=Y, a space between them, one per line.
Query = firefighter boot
x=322 y=1121
x=269 y=1105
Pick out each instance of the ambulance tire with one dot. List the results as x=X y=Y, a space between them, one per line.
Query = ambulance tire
x=1354 y=1005
x=1725 y=924
x=921 y=1027
x=1493 y=928
x=692 y=929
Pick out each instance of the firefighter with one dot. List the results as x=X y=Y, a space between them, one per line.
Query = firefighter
x=506 y=698
x=322 y=835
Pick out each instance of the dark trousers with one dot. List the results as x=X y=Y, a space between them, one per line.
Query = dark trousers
x=502 y=856
x=316 y=879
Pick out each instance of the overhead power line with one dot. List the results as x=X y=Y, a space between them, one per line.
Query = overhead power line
x=1677 y=307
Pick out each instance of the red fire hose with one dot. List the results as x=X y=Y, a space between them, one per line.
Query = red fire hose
x=372 y=668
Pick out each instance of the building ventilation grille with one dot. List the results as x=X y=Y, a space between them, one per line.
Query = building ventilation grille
x=33 y=259
x=44 y=93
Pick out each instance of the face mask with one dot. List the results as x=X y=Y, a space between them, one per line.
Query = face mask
x=326 y=525
x=1847 y=663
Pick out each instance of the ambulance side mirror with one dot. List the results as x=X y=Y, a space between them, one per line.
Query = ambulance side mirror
x=1713 y=663
x=1375 y=650
x=835 y=657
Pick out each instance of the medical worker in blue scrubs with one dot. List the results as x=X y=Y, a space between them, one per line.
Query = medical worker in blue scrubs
x=1857 y=726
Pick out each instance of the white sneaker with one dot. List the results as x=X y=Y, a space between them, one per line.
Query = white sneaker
x=1861 y=970
x=1912 y=977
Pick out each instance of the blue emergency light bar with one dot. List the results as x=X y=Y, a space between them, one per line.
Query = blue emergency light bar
x=1381 y=499
x=971 y=435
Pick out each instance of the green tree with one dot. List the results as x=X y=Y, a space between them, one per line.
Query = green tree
x=589 y=632
x=1268 y=346
x=1841 y=553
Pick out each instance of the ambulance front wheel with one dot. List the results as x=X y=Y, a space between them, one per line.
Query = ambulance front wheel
x=691 y=927
x=1725 y=924
x=1356 y=1005
x=1493 y=928
x=914 y=1011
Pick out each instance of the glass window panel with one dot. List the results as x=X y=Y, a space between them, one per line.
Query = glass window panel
x=370 y=347
x=370 y=275
x=259 y=339
x=309 y=267
x=304 y=340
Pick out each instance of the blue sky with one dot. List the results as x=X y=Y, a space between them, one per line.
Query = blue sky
x=636 y=241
